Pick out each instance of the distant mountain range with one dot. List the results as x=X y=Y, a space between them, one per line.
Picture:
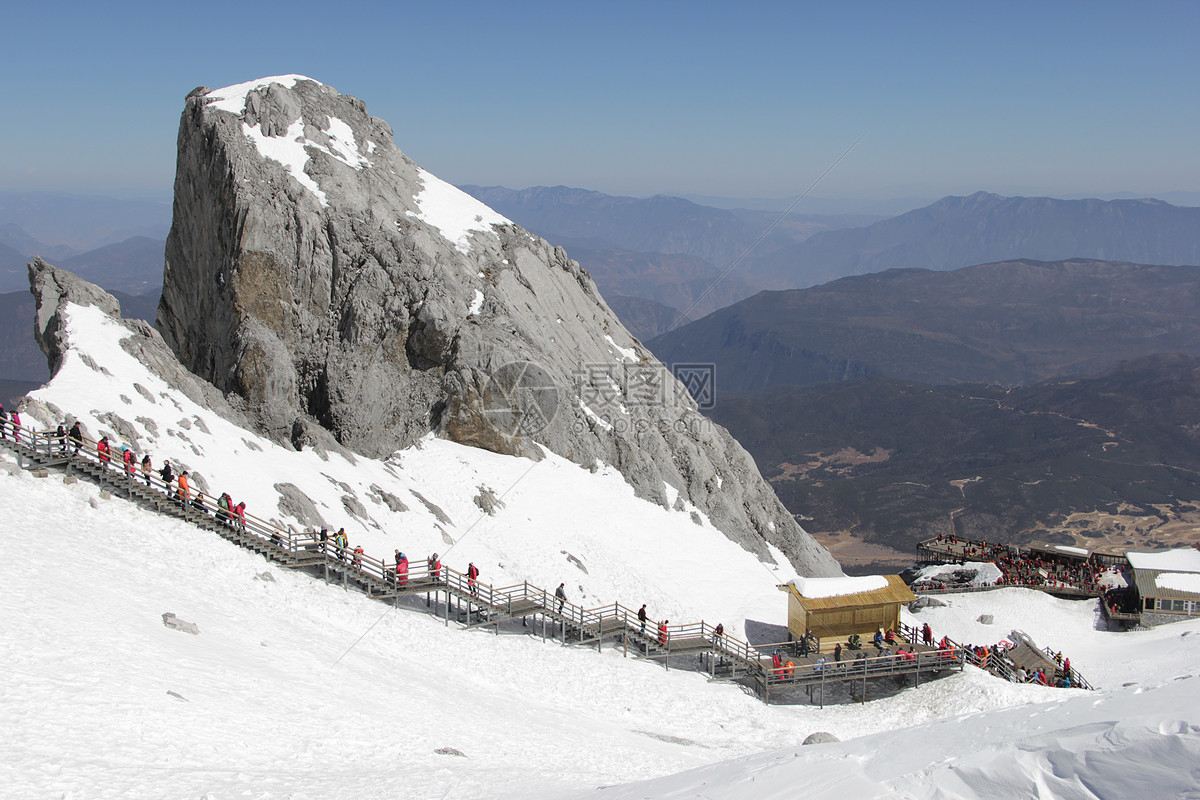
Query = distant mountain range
x=132 y=265
x=61 y=225
x=1015 y=322
x=871 y=467
x=665 y=249
x=680 y=282
x=15 y=238
x=643 y=225
x=645 y=318
x=673 y=251
x=960 y=231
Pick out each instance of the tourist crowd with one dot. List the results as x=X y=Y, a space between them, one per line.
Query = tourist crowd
x=1020 y=567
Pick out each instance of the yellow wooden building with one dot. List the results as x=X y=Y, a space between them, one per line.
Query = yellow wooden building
x=841 y=606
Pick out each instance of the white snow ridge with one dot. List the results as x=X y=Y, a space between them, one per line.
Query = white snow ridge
x=453 y=212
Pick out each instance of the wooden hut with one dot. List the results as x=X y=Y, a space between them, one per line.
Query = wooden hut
x=837 y=607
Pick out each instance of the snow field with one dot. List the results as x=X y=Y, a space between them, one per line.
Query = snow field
x=271 y=711
x=269 y=706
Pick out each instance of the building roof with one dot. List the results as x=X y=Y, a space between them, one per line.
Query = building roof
x=1167 y=584
x=1181 y=559
x=813 y=588
x=1064 y=550
x=893 y=590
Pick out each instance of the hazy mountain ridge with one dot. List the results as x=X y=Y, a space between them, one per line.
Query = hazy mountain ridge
x=660 y=224
x=662 y=248
x=15 y=237
x=983 y=227
x=83 y=222
x=676 y=280
x=1008 y=323
x=132 y=266
x=645 y=318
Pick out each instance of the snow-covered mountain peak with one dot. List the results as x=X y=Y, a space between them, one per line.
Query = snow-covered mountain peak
x=335 y=287
x=233 y=98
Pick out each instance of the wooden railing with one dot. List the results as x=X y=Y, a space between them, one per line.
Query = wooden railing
x=379 y=577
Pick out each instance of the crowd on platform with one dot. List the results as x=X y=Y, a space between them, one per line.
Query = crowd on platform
x=1020 y=567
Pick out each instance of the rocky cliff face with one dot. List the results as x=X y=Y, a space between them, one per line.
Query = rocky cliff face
x=318 y=273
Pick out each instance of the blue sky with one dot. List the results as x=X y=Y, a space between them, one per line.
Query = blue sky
x=743 y=100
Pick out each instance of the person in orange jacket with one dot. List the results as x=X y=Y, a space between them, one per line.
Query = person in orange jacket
x=183 y=488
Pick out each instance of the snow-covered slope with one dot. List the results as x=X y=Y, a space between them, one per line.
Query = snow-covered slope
x=297 y=689
x=559 y=522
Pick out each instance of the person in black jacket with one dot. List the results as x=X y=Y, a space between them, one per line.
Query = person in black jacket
x=76 y=436
x=167 y=475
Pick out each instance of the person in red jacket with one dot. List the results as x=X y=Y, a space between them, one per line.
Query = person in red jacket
x=663 y=635
x=401 y=569
x=102 y=449
x=127 y=457
x=358 y=555
x=239 y=516
x=472 y=576
x=435 y=568
x=777 y=664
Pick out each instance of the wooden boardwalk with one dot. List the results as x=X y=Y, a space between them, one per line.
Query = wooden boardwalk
x=524 y=607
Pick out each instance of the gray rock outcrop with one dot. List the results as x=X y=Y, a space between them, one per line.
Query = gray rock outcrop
x=924 y=601
x=820 y=737
x=175 y=623
x=316 y=272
